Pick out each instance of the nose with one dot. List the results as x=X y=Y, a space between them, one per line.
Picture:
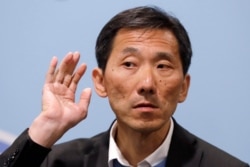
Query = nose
x=146 y=82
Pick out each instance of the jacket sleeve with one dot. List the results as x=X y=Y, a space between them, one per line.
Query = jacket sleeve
x=23 y=152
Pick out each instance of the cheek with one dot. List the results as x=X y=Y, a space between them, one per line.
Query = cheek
x=168 y=94
x=116 y=86
x=118 y=97
x=169 y=89
x=116 y=92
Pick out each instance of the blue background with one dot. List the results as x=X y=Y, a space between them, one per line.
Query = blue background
x=218 y=106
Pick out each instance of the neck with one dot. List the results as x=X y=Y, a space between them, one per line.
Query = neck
x=137 y=145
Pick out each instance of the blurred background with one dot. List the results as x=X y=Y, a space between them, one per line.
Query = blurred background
x=218 y=105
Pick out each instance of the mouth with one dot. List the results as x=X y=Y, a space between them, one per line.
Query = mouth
x=145 y=107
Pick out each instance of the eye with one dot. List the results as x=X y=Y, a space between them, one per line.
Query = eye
x=162 y=66
x=129 y=64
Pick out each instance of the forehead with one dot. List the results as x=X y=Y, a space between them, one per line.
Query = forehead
x=146 y=37
x=160 y=40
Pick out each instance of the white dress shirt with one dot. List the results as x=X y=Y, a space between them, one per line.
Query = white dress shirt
x=153 y=159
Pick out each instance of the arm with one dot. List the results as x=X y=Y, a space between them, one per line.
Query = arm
x=59 y=113
x=23 y=152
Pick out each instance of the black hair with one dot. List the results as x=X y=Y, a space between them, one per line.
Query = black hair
x=144 y=17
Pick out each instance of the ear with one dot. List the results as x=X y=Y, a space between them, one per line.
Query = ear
x=98 y=79
x=184 y=89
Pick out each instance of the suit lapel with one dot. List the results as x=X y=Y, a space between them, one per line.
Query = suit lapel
x=183 y=151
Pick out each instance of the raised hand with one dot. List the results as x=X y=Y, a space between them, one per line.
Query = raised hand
x=60 y=112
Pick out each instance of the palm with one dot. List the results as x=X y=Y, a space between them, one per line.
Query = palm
x=59 y=104
x=60 y=112
x=59 y=92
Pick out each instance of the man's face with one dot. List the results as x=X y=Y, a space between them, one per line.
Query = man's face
x=143 y=79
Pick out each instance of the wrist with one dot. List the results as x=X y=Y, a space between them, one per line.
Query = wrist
x=45 y=132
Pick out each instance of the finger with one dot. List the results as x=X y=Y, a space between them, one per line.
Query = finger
x=84 y=101
x=77 y=76
x=68 y=74
x=67 y=67
x=67 y=80
x=60 y=73
x=51 y=71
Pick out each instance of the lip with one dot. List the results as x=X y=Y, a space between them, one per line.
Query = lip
x=145 y=107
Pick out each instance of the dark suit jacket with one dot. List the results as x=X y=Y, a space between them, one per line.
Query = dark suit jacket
x=186 y=150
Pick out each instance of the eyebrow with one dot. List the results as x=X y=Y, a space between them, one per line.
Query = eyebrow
x=164 y=56
x=159 y=55
x=129 y=50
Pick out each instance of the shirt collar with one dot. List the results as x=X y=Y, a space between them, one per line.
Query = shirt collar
x=153 y=159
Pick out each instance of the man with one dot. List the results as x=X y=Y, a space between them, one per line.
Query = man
x=143 y=57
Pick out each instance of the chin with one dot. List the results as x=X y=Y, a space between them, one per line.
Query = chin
x=144 y=126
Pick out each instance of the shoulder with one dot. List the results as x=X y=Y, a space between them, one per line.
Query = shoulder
x=78 y=152
x=83 y=145
x=194 y=148
x=213 y=155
